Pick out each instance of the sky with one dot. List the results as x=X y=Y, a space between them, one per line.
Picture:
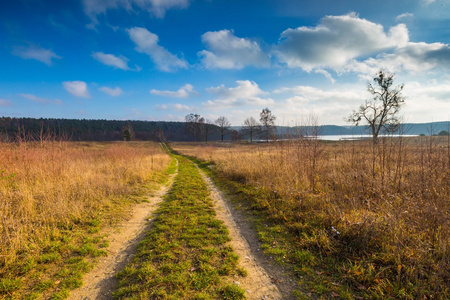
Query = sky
x=160 y=60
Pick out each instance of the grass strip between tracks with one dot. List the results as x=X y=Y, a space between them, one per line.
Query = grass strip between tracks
x=185 y=254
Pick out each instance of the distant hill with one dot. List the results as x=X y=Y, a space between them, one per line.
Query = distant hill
x=407 y=128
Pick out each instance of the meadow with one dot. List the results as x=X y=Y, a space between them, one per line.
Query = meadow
x=56 y=196
x=350 y=219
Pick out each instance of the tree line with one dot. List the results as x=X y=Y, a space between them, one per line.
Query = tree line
x=199 y=127
x=12 y=129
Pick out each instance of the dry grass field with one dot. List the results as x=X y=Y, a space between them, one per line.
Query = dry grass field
x=376 y=219
x=50 y=189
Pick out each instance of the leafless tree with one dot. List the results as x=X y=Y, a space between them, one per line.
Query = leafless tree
x=223 y=124
x=194 y=123
x=251 y=127
x=206 y=128
x=267 y=120
x=381 y=112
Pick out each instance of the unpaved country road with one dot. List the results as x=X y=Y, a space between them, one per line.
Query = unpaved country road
x=265 y=280
x=99 y=283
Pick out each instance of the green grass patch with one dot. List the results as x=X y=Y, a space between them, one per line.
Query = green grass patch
x=185 y=254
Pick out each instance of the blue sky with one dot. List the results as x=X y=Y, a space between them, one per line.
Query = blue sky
x=164 y=59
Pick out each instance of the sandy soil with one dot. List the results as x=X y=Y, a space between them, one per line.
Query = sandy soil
x=265 y=280
x=99 y=283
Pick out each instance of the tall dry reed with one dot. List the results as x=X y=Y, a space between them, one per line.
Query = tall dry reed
x=389 y=202
x=48 y=184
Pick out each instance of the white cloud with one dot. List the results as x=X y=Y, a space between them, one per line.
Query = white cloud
x=336 y=41
x=427 y=2
x=37 y=53
x=330 y=106
x=184 y=92
x=427 y=101
x=416 y=57
x=111 y=60
x=158 y=8
x=5 y=102
x=245 y=93
x=313 y=94
x=413 y=58
x=326 y=74
x=114 y=92
x=147 y=42
x=181 y=107
x=177 y=107
x=77 y=88
x=226 y=51
x=404 y=16
x=37 y=99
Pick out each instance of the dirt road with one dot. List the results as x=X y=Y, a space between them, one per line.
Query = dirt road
x=99 y=283
x=265 y=280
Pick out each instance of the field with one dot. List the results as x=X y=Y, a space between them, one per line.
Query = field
x=350 y=219
x=347 y=220
x=56 y=197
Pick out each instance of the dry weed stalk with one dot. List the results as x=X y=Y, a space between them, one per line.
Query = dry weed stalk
x=389 y=201
x=48 y=183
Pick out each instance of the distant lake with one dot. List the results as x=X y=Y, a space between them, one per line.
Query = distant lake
x=342 y=137
x=356 y=137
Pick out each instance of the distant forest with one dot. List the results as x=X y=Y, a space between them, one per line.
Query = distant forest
x=113 y=130
x=97 y=130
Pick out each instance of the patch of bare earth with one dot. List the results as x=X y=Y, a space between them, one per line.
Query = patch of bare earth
x=100 y=282
x=265 y=280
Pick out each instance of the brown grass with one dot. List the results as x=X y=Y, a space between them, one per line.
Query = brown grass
x=389 y=205
x=49 y=184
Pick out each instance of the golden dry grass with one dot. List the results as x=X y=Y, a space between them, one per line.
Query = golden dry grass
x=44 y=185
x=389 y=205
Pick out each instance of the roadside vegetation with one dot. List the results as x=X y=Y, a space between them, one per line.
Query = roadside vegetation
x=351 y=219
x=56 y=198
x=185 y=254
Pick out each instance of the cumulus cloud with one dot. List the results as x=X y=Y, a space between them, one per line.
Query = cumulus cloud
x=37 y=99
x=147 y=42
x=336 y=41
x=158 y=8
x=114 y=92
x=422 y=99
x=37 y=53
x=5 y=102
x=226 y=51
x=245 y=93
x=77 y=88
x=112 y=60
x=184 y=92
x=415 y=57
